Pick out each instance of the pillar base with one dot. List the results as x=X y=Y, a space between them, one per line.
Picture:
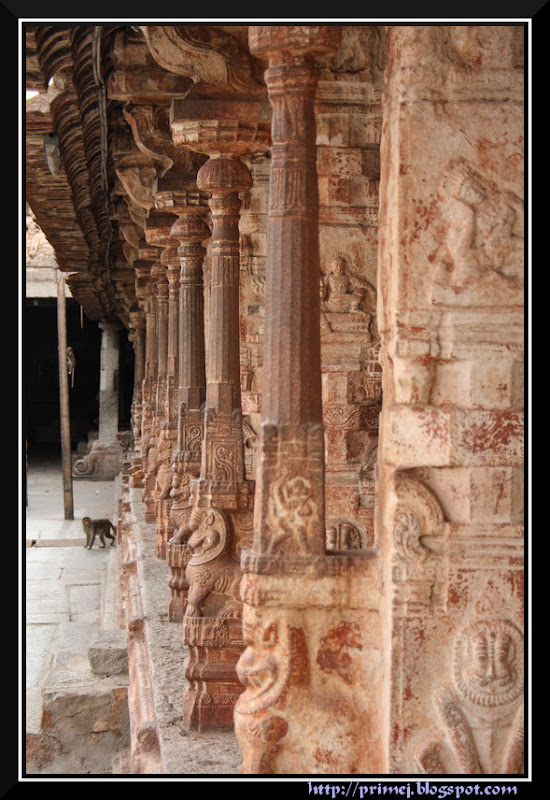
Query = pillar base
x=102 y=462
x=215 y=646
x=177 y=556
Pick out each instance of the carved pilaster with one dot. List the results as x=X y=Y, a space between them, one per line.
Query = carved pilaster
x=301 y=638
x=450 y=466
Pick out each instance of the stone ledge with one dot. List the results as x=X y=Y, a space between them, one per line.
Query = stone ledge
x=108 y=653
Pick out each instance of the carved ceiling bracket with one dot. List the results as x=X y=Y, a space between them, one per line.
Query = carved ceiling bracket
x=217 y=62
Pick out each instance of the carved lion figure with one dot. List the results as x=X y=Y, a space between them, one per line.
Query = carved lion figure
x=211 y=568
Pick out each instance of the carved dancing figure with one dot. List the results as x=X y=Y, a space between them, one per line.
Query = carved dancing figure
x=487 y=226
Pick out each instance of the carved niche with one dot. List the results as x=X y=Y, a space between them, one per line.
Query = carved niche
x=420 y=535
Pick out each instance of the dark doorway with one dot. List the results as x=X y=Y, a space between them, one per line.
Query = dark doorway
x=40 y=373
x=41 y=414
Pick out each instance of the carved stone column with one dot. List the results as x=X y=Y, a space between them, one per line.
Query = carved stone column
x=149 y=380
x=312 y=663
x=104 y=458
x=137 y=337
x=190 y=230
x=168 y=428
x=157 y=234
x=142 y=276
x=221 y=518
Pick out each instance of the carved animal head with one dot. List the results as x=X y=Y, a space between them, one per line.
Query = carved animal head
x=209 y=535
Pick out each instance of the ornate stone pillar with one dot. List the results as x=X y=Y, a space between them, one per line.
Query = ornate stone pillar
x=147 y=439
x=180 y=196
x=104 y=458
x=157 y=235
x=137 y=337
x=190 y=230
x=312 y=665
x=142 y=275
x=168 y=427
x=450 y=481
x=221 y=518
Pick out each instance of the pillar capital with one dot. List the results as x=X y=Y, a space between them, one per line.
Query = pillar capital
x=214 y=127
x=108 y=325
x=224 y=173
x=274 y=41
x=157 y=230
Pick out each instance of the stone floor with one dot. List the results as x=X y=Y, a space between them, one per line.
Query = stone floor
x=64 y=602
x=75 y=720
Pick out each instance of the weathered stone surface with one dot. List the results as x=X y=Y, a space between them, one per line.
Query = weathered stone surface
x=108 y=653
x=451 y=271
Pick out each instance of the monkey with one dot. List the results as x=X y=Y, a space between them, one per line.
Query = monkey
x=97 y=527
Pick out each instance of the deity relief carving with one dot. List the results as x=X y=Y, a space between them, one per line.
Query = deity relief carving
x=208 y=536
x=486 y=227
x=343 y=290
x=420 y=535
x=481 y=711
x=291 y=513
x=362 y=48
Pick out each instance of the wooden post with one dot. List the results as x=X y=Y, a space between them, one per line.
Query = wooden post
x=64 y=399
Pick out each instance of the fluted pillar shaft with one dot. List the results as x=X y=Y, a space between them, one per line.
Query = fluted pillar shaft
x=223 y=177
